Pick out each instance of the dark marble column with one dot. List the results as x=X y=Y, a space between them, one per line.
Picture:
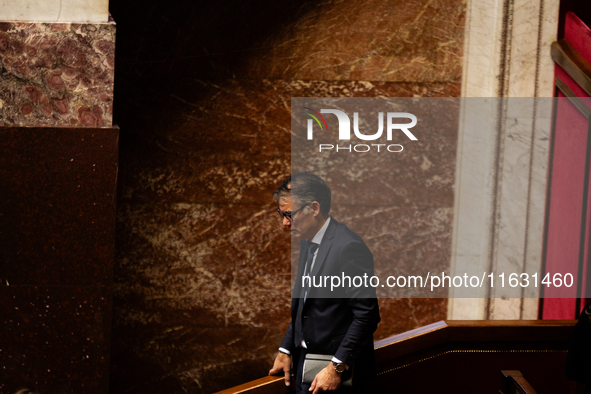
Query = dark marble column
x=57 y=218
x=58 y=172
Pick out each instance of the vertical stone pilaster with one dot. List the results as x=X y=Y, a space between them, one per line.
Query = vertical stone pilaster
x=58 y=174
x=501 y=172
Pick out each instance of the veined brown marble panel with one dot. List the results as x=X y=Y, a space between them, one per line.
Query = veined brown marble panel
x=404 y=314
x=202 y=291
x=57 y=205
x=57 y=74
x=370 y=40
x=404 y=241
x=197 y=284
x=222 y=262
x=57 y=224
x=55 y=339
x=374 y=40
x=421 y=175
x=201 y=283
x=219 y=127
x=169 y=362
x=202 y=275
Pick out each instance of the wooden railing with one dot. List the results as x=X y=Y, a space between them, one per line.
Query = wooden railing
x=462 y=356
x=266 y=385
x=515 y=383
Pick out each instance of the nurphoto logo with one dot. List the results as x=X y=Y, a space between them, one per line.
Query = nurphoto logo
x=392 y=124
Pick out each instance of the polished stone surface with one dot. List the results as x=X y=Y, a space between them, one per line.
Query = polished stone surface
x=404 y=242
x=57 y=74
x=202 y=279
x=404 y=314
x=420 y=175
x=206 y=154
x=203 y=265
x=54 y=338
x=374 y=40
x=57 y=222
x=58 y=197
x=365 y=40
x=504 y=57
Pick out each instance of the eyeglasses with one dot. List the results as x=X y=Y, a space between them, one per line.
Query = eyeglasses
x=289 y=215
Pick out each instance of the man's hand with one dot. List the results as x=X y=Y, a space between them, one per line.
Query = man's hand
x=327 y=380
x=282 y=363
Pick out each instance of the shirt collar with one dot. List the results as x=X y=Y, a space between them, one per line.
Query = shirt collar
x=320 y=234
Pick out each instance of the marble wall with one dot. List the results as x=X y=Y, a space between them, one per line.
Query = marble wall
x=58 y=175
x=57 y=217
x=202 y=273
x=500 y=189
x=57 y=74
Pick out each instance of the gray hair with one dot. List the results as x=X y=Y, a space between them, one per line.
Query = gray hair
x=305 y=188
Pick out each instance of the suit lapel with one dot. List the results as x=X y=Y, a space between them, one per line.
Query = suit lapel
x=324 y=247
x=301 y=264
x=323 y=250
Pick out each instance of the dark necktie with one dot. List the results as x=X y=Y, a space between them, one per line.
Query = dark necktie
x=312 y=247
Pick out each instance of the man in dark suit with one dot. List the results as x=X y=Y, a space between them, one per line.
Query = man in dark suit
x=332 y=321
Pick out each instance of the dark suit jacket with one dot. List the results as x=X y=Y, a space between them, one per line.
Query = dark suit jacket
x=342 y=325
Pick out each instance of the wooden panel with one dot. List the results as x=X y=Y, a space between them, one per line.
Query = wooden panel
x=57 y=246
x=478 y=350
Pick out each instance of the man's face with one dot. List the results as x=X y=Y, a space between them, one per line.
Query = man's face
x=302 y=224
